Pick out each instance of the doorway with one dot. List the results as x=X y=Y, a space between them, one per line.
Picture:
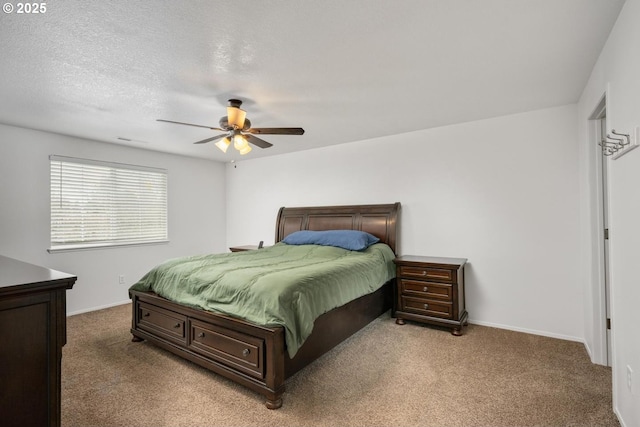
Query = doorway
x=602 y=299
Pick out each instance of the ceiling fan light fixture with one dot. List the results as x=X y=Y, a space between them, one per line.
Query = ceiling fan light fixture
x=223 y=144
x=240 y=142
x=236 y=117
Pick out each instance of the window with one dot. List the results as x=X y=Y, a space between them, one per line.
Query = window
x=98 y=204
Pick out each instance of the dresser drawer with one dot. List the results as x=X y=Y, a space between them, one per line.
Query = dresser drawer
x=164 y=322
x=240 y=351
x=427 y=290
x=426 y=307
x=426 y=273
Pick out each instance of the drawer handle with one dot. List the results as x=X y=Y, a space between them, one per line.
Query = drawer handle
x=426 y=306
x=201 y=335
x=177 y=325
x=425 y=289
x=246 y=352
x=147 y=314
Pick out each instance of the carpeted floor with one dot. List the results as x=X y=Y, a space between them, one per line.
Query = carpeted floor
x=386 y=375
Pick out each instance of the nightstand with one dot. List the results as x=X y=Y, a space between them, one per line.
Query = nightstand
x=430 y=290
x=243 y=248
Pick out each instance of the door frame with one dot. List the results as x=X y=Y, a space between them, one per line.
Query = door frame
x=601 y=352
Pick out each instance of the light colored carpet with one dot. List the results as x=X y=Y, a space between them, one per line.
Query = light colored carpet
x=385 y=375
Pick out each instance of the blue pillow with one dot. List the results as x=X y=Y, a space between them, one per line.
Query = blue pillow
x=352 y=240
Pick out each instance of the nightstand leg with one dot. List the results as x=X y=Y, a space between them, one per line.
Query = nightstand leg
x=456 y=331
x=399 y=321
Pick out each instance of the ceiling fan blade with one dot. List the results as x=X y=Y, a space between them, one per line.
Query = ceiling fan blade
x=211 y=139
x=188 y=124
x=276 y=131
x=257 y=141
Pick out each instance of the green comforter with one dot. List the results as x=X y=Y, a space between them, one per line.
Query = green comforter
x=283 y=284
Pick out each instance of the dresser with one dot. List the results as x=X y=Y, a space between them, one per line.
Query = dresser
x=430 y=290
x=32 y=333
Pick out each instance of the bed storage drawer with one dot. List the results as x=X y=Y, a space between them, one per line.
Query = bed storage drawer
x=168 y=324
x=237 y=350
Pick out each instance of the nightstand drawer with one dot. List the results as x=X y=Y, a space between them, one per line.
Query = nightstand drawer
x=426 y=307
x=426 y=273
x=428 y=290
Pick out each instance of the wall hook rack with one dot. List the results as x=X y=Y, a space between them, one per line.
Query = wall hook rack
x=613 y=144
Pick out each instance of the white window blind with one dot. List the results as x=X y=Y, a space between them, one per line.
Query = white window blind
x=96 y=204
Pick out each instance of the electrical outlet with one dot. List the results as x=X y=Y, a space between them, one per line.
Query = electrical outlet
x=121 y=279
x=629 y=376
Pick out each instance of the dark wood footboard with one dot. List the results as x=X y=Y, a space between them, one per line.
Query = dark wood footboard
x=252 y=355
x=248 y=354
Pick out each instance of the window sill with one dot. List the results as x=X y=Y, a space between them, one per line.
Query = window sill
x=84 y=247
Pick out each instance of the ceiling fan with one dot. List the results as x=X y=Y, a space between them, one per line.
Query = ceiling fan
x=238 y=130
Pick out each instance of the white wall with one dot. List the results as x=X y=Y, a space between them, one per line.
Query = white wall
x=501 y=192
x=618 y=68
x=197 y=214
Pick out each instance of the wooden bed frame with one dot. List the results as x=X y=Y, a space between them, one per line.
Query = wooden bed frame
x=253 y=355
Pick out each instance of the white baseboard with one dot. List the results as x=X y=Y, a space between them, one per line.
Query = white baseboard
x=128 y=301
x=620 y=419
x=529 y=331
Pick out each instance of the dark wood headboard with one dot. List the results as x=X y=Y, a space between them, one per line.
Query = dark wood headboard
x=379 y=220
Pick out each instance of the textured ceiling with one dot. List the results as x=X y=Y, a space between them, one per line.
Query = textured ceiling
x=344 y=70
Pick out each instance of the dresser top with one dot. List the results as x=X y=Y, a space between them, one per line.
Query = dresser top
x=18 y=273
x=416 y=259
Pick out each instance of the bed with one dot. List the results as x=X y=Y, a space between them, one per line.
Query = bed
x=257 y=355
